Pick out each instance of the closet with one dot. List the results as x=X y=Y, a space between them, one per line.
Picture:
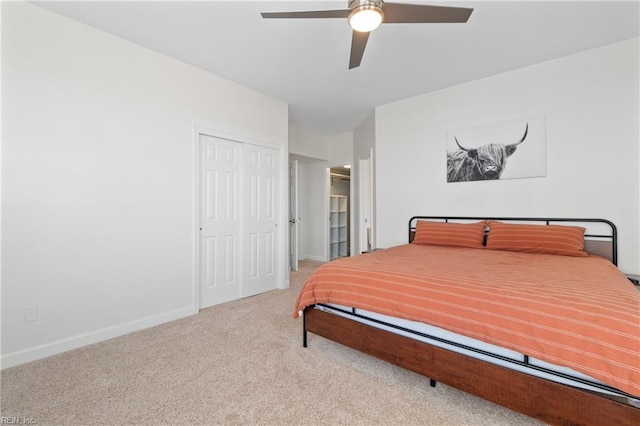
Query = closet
x=239 y=212
x=339 y=215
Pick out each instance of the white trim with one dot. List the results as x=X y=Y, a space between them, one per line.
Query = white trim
x=195 y=205
x=216 y=133
x=352 y=204
x=283 y=269
x=75 y=342
x=327 y=213
x=315 y=258
x=373 y=200
x=361 y=224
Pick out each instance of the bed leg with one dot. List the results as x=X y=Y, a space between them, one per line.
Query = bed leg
x=304 y=330
x=432 y=383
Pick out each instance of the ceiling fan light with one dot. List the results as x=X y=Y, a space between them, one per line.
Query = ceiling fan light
x=365 y=18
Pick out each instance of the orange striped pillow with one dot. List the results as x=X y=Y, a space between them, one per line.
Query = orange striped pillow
x=548 y=239
x=450 y=234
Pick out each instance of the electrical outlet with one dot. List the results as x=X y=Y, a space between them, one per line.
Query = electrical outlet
x=30 y=313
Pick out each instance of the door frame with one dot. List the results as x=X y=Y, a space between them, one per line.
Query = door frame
x=294 y=210
x=202 y=129
x=365 y=194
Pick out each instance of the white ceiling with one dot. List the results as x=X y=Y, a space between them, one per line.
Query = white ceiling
x=305 y=62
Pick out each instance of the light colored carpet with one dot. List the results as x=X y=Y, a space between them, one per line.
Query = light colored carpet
x=237 y=363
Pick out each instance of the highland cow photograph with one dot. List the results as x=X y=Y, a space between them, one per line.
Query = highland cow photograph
x=505 y=150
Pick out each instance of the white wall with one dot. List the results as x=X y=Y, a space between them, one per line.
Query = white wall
x=308 y=143
x=98 y=168
x=316 y=211
x=591 y=105
x=341 y=149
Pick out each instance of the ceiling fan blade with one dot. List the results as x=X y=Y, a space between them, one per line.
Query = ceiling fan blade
x=398 y=13
x=358 y=43
x=343 y=13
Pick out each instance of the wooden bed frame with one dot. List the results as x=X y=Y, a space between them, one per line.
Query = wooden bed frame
x=549 y=401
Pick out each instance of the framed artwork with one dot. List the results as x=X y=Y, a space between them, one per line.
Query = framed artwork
x=505 y=150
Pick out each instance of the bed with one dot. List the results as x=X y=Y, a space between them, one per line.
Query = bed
x=529 y=313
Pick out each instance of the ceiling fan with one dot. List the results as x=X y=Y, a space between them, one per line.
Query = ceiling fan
x=366 y=15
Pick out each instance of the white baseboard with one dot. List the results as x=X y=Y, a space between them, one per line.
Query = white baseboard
x=316 y=258
x=75 y=342
x=285 y=285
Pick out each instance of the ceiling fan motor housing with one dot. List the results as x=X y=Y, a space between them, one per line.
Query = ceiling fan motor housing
x=356 y=3
x=360 y=8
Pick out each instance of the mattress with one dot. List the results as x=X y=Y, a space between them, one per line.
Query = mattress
x=576 y=313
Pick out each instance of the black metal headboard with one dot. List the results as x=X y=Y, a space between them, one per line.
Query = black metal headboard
x=601 y=235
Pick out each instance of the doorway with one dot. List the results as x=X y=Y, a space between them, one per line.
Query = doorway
x=339 y=211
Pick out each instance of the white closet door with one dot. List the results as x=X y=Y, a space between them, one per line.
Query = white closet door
x=220 y=220
x=262 y=212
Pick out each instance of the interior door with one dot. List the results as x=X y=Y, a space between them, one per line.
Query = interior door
x=293 y=215
x=220 y=166
x=262 y=206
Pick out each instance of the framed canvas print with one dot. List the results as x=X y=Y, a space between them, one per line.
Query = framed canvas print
x=504 y=150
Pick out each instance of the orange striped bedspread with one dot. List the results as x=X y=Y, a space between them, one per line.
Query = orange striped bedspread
x=579 y=312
